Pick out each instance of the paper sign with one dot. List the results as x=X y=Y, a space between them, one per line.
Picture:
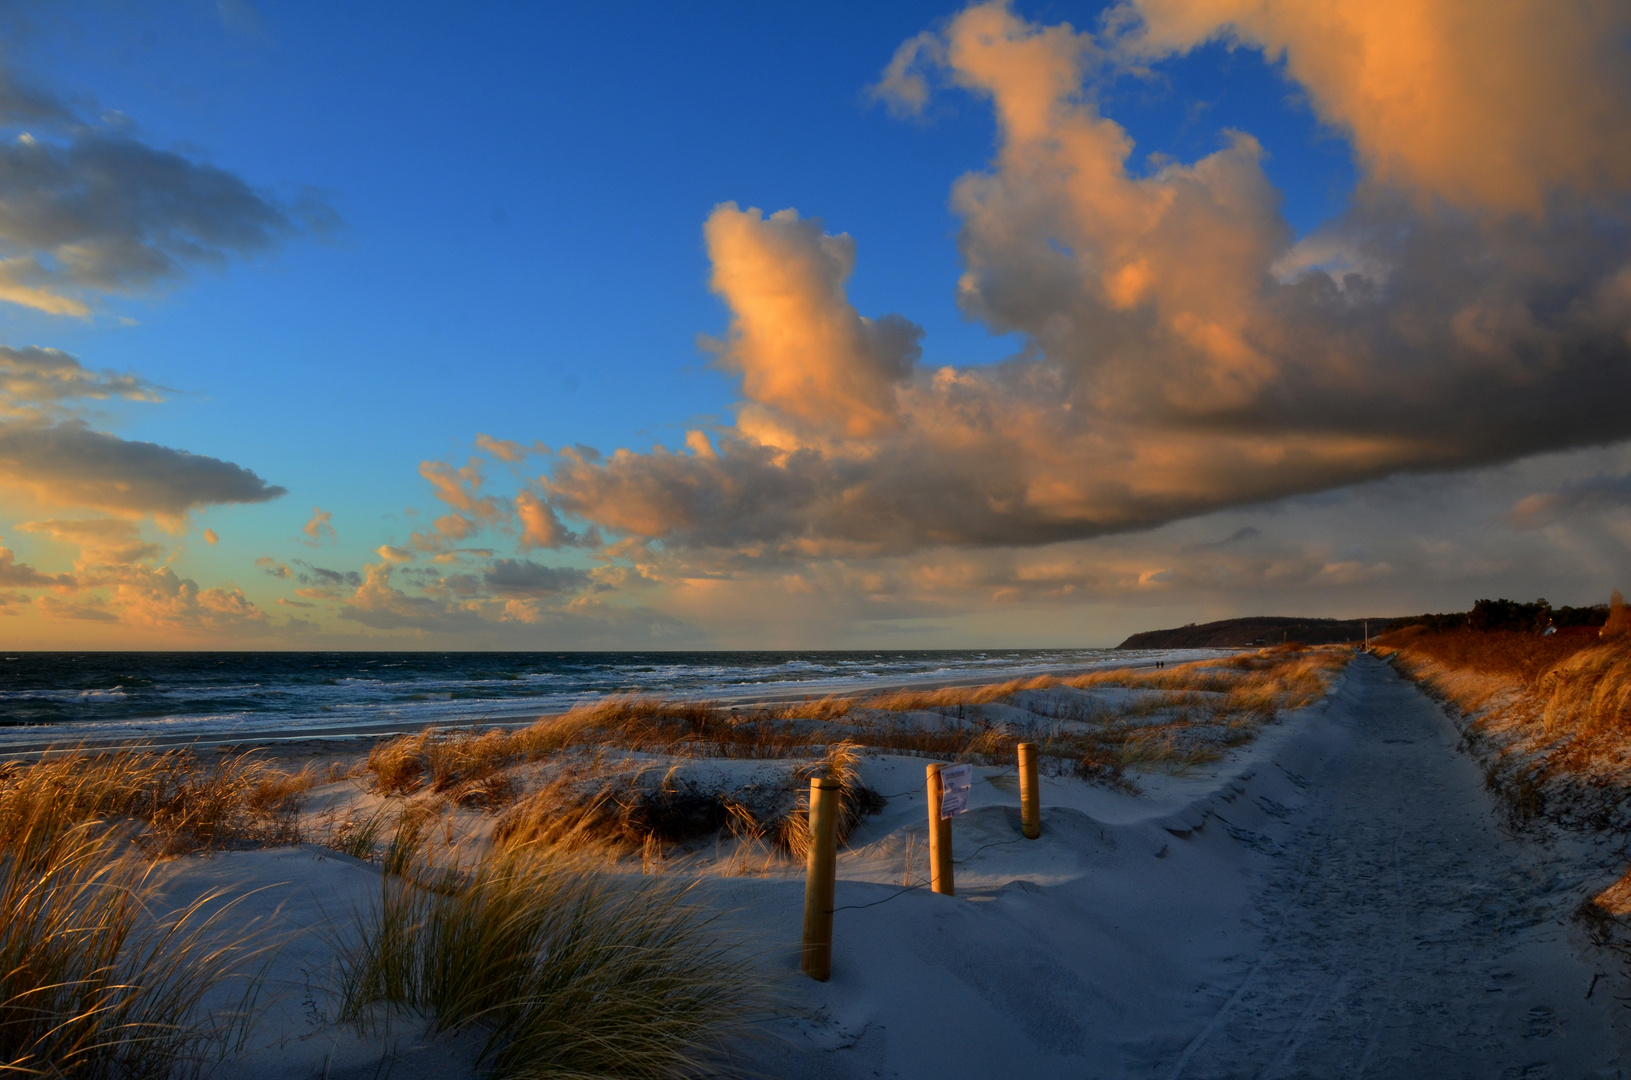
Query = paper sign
x=955 y=782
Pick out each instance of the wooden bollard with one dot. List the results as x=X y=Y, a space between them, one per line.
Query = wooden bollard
x=1030 y=805
x=819 y=875
x=939 y=838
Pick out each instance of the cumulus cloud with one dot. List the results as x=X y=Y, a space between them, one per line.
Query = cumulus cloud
x=70 y=464
x=114 y=582
x=1501 y=105
x=800 y=347
x=379 y=604
x=1183 y=354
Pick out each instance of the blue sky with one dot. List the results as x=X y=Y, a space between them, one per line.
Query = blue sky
x=518 y=199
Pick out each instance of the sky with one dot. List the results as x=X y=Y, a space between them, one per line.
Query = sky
x=440 y=326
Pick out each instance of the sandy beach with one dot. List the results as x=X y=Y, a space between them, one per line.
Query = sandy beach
x=1335 y=896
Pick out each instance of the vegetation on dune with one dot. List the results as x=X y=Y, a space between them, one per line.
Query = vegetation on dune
x=534 y=938
x=173 y=801
x=570 y=970
x=1549 y=714
x=1172 y=718
x=92 y=985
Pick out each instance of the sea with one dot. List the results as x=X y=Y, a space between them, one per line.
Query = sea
x=68 y=697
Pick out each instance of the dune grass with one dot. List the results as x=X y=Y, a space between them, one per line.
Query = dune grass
x=92 y=984
x=1548 y=716
x=568 y=969
x=609 y=773
x=173 y=801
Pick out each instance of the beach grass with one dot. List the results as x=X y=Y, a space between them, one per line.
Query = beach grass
x=173 y=801
x=1547 y=715
x=566 y=968
x=91 y=983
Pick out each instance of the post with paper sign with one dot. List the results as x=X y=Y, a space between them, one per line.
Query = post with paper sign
x=948 y=796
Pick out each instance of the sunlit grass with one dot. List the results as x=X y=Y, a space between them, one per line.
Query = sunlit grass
x=173 y=801
x=91 y=984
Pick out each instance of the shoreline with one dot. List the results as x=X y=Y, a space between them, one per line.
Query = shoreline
x=343 y=740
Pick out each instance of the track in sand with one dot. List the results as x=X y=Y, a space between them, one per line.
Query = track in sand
x=1406 y=934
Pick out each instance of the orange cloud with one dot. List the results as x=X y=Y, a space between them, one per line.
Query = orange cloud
x=110 y=541
x=508 y=449
x=319 y=526
x=1184 y=354
x=796 y=341
x=1497 y=104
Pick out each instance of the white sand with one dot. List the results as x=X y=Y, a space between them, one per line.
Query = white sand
x=1335 y=899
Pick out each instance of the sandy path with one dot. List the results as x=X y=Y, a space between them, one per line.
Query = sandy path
x=1404 y=934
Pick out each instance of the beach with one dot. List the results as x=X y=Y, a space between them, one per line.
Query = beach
x=1240 y=903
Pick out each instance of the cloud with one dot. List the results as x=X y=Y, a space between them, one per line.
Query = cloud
x=93 y=609
x=96 y=211
x=1593 y=493
x=273 y=567
x=1183 y=352
x=34 y=381
x=101 y=541
x=211 y=537
x=69 y=464
x=541 y=526
x=508 y=449
x=460 y=488
x=904 y=85
x=1499 y=105
x=23 y=576
x=319 y=527
x=113 y=583
x=799 y=346
x=522 y=578
x=159 y=597
x=393 y=554
x=325 y=578
x=379 y=604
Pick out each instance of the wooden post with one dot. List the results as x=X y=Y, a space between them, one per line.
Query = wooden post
x=939 y=838
x=1030 y=807
x=819 y=875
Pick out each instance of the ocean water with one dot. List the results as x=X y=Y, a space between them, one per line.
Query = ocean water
x=68 y=697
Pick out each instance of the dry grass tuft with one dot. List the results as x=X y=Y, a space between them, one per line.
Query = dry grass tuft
x=569 y=970
x=176 y=802
x=1548 y=715
x=855 y=801
x=91 y=985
